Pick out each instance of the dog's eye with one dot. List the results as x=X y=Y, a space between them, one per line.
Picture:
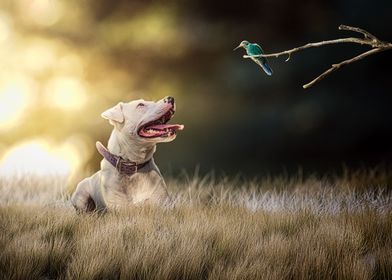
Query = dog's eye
x=140 y=105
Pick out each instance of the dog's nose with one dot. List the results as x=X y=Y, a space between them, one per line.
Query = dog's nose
x=170 y=100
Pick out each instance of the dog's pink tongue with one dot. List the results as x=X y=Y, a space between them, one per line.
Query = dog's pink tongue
x=167 y=126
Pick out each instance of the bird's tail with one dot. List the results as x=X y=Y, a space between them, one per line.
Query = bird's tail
x=267 y=69
x=263 y=63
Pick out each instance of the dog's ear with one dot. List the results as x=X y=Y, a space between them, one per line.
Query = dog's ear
x=114 y=114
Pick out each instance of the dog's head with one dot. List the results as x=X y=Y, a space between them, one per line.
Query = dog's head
x=145 y=120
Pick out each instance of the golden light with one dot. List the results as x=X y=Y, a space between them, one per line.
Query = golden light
x=15 y=96
x=40 y=157
x=39 y=56
x=41 y=12
x=154 y=29
x=66 y=93
x=70 y=64
x=5 y=28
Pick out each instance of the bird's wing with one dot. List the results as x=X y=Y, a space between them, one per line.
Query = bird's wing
x=263 y=63
x=258 y=61
x=255 y=49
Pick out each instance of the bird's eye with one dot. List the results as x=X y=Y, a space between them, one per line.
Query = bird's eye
x=140 y=105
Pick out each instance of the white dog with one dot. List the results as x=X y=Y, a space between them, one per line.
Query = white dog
x=128 y=173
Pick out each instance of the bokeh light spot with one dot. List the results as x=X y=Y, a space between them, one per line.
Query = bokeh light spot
x=40 y=157
x=66 y=93
x=5 y=28
x=41 y=12
x=15 y=96
x=39 y=56
x=34 y=158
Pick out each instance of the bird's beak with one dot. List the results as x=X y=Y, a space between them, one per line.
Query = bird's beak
x=237 y=47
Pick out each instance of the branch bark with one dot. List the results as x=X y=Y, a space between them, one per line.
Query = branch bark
x=368 y=39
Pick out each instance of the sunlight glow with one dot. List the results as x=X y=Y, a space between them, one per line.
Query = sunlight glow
x=70 y=64
x=41 y=12
x=66 y=93
x=39 y=56
x=5 y=29
x=15 y=96
x=40 y=157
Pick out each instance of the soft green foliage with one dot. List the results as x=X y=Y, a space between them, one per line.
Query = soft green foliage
x=270 y=229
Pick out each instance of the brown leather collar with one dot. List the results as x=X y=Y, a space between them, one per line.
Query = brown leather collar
x=123 y=166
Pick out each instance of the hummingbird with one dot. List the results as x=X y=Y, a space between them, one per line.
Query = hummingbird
x=255 y=49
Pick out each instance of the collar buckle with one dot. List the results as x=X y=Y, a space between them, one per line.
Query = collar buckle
x=125 y=166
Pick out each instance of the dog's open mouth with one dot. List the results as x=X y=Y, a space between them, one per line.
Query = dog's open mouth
x=159 y=127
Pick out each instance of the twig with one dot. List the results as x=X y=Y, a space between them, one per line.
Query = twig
x=358 y=30
x=335 y=67
x=368 y=39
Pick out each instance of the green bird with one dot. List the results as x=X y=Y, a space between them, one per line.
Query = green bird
x=255 y=49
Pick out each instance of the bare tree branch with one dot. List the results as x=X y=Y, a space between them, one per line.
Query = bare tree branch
x=335 y=67
x=358 y=30
x=368 y=39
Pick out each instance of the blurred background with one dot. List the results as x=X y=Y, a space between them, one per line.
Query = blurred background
x=64 y=62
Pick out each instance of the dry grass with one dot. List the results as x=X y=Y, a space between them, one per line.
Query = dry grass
x=275 y=228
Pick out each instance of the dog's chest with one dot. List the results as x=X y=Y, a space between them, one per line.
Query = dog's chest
x=126 y=190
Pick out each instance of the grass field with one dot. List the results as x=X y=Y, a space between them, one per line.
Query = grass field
x=338 y=227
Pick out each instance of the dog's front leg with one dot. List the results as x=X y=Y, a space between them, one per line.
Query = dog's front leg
x=82 y=198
